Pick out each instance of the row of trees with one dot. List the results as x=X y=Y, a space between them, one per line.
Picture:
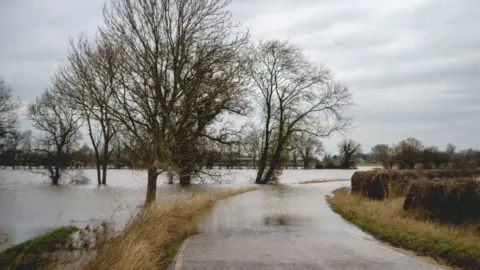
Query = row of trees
x=160 y=76
x=411 y=152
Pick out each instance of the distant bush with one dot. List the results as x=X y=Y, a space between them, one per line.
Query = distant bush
x=319 y=165
x=381 y=184
x=330 y=165
x=446 y=200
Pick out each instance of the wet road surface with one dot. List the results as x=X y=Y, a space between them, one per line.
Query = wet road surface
x=289 y=227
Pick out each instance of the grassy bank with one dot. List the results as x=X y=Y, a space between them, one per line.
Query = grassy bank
x=151 y=241
x=37 y=253
x=315 y=181
x=455 y=245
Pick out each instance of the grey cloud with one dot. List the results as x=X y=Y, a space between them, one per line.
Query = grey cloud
x=413 y=66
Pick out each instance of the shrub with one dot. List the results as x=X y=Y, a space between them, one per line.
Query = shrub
x=381 y=184
x=318 y=165
x=447 y=200
x=37 y=252
x=452 y=244
x=330 y=165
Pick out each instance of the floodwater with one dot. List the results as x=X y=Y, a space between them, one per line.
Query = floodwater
x=287 y=227
x=30 y=206
x=294 y=206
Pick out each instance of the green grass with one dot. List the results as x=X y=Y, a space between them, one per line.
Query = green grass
x=465 y=257
x=171 y=252
x=34 y=253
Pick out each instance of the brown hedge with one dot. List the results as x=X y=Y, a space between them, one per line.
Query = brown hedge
x=381 y=184
x=447 y=200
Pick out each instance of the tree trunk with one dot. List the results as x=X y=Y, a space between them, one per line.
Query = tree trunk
x=99 y=181
x=295 y=165
x=305 y=163
x=170 y=176
x=105 y=163
x=186 y=176
x=261 y=169
x=151 y=186
x=274 y=163
x=98 y=165
x=56 y=177
x=104 y=174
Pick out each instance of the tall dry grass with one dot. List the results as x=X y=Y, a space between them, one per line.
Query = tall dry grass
x=145 y=242
x=390 y=213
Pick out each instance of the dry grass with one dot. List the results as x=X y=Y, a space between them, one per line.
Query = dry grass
x=315 y=181
x=390 y=213
x=146 y=241
x=453 y=244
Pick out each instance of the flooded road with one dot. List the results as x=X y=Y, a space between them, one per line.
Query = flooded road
x=30 y=206
x=285 y=227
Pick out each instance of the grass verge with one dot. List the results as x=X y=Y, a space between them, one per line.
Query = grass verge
x=36 y=253
x=152 y=239
x=455 y=245
x=315 y=181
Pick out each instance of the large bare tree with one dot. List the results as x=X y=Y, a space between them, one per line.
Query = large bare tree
x=182 y=68
x=89 y=81
x=59 y=127
x=296 y=96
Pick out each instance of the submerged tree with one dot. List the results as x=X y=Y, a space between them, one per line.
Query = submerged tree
x=59 y=127
x=348 y=149
x=88 y=81
x=308 y=147
x=295 y=96
x=182 y=68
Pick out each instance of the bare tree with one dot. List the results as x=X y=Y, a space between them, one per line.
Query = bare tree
x=88 y=81
x=14 y=140
x=182 y=68
x=348 y=149
x=295 y=96
x=26 y=148
x=8 y=107
x=59 y=127
x=308 y=146
x=380 y=153
x=252 y=143
x=408 y=153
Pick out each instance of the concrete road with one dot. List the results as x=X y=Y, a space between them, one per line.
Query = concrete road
x=285 y=228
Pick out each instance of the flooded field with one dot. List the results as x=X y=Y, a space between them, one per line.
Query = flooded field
x=30 y=206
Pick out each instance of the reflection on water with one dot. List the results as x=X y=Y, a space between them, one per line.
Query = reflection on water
x=29 y=206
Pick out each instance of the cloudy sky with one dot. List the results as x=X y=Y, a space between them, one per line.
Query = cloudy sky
x=413 y=66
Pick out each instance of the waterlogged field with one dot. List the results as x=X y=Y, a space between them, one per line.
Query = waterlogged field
x=30 y=206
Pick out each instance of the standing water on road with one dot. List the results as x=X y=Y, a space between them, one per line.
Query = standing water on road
x=29 y=206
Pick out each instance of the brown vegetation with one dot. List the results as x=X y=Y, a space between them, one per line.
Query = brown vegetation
x=446 y=200
x=386 y=220
x=314 y=181
x=146 y=242
x=380 y=184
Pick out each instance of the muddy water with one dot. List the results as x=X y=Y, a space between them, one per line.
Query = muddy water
x=30 y=206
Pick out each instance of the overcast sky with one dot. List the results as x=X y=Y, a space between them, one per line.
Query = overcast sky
x=413 y=66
